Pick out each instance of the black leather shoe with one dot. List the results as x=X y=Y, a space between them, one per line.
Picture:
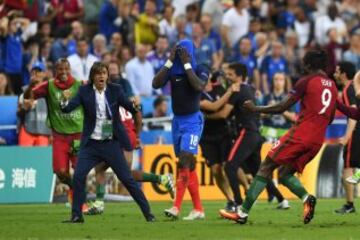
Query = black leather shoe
x=74 y=219
x=150 y=218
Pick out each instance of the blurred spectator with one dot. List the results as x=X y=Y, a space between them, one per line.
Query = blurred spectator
x=77 y=32
x=273 y=63
x=205 y=51
x=334 y=51
x=125 y=56
x=212 y=35
x=160 y=108
x=140 y=73
x=263 y=47
x=235 y=23
x=180 y=24
x=13 y=61
x=353 y=54
x=259 y=9
x=109 y=20
x=286 y=18
x=127 y=28
x=5 y=86
x=147 y=25
x=192 y=15
x=82 y=61
x=91 y=16
x=249 y=60
x=158 y=57
x=116 y=77
x=293 y=55
x=304 y=28
x=324 y=23
x=98 y=45
x=59 y=48
x=215 y=11
x=30 y=57
x=32 y=114
x=275 y=126
x=167 y=25
x=44 y=31
x=349 y=11
x=180 y=6
x=255 y=27
x=116 y=44
x=67 y=11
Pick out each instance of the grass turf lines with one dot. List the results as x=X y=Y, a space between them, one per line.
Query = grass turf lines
x=124 y=221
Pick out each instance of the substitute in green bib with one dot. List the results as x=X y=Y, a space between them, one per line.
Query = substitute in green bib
x=66 y=127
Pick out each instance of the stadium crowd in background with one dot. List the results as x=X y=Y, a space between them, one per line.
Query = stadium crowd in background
x=269 y=37
x=265 y=39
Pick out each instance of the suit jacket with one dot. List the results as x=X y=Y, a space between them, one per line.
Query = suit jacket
x=115 y=98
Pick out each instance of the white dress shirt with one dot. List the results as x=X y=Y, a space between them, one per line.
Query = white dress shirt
x=101 y=118
x=80 y=67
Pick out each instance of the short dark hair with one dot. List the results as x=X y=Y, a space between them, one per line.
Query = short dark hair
x=239 y=68
x=61 y=61
x=159 y=100
x=96 y=68
x=236 y=2
x=82 y=39
x=316 y=60
x=348 y=68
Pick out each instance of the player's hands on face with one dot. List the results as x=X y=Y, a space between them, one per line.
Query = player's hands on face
x=249 y=105
x=172 y=54
x=184 y=56
x=67 y=94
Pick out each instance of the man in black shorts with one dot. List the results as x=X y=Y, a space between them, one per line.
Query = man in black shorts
x=247 y=147
x=345 y=72
x=216 y=140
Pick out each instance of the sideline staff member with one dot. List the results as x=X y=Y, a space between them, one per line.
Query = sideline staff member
x=102 y=137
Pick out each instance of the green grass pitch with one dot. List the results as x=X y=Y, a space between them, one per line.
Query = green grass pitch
x=124 y=221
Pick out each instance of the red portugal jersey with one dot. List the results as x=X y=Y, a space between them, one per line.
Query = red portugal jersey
x=128 y=122
x=317 y=94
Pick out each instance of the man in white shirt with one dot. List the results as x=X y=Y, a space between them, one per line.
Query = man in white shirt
x=140 y=73
x=324 y=23
x=235 y=23
x=82 y=61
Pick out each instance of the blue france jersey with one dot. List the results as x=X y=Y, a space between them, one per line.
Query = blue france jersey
x=185 y=99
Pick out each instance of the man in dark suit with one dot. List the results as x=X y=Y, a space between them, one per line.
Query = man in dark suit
x=103 y=137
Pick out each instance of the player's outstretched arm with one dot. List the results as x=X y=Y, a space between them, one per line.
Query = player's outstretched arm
x=350 y=112
x=161 y=77
x=194 y=80
x=271 y=109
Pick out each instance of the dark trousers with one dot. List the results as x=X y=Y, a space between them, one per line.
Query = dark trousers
x=110 y=152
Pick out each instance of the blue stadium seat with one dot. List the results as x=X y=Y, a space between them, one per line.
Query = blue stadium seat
x=8 y=106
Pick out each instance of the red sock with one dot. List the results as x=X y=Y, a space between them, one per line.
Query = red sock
x=194 y=191
x=181 y=185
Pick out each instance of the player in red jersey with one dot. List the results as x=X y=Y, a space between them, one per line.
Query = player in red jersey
x=317 y=95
